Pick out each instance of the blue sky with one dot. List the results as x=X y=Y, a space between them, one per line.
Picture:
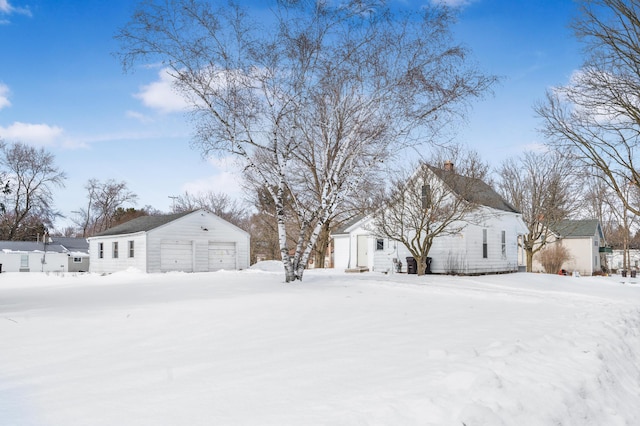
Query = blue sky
x=62 y=88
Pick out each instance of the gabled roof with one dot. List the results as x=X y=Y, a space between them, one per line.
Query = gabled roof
x=142 y=224
x=473 y=190
x=578 y=228
x=345 y=228
x=72 y=244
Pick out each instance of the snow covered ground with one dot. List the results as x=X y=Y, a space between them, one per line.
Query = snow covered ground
x=243 y=348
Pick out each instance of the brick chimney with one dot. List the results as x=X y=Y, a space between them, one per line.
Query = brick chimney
x=448 y=166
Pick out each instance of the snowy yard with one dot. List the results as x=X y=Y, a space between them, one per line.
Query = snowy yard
x=243 y=348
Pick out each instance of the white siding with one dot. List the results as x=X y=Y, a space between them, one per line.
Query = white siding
x=180 y=245
x=457 y=253
x=53 y=261
x=200 y=229
x=109 y=264
x=584 y=255
x=346 y=247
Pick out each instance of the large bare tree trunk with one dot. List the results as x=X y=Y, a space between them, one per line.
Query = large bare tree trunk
x=529 y=254
x=321 y=245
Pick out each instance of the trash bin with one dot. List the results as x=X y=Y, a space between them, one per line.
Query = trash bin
x=624 y=272
x=428 y=271
x=633 y=273
x=412 y=266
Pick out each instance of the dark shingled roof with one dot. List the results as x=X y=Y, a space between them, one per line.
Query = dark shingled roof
x=142 y=224
x=72 y=244
x=473 y=190
x=577 y=228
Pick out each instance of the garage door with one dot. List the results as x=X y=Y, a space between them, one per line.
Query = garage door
x=176 y=256
x=222 y=256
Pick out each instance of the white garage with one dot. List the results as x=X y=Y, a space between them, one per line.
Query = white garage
x=197 y=241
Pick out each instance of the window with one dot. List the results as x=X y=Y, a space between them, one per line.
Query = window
x=379 y=244
x=426 y=197
x=24 y=261
x=504 y=244
x=131 y=252
x=485 y=252
x=77 y=260
x=115 y=249
x=100 y=250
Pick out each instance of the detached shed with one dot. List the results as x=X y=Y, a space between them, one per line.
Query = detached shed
x=196 y=241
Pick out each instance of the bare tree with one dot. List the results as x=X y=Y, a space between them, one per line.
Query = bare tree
x=31 y=175
x=103 y=201
x=218 y=203
x=311 y=99
x=543 y=187
x=617 y=221
x=597 y=115
x=432 y=203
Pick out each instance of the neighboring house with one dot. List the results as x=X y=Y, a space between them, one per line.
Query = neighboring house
x=585 y=242
x=196 y=241
x=57 y=255
x=486 y=242
x=615 y=259
x=78 y=251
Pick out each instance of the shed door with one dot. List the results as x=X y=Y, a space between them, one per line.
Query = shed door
x=176 y=256
x=222 y=256
x=363 y=241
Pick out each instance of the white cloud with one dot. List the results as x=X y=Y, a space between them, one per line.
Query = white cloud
x=37 y=134
x=227 y=179
x=4 y=96
x=161 y=96
x=139 y=116
x=8 y=9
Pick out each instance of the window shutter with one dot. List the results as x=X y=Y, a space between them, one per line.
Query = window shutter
x=426 y=197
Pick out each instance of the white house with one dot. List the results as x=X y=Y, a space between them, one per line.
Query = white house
x=615 y=259
x=197 y=241
x=56 y=255
x=486 y=243
x=585 y=242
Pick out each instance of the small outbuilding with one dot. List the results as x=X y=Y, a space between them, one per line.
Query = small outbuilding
x=584 y=241
x=194 y=241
